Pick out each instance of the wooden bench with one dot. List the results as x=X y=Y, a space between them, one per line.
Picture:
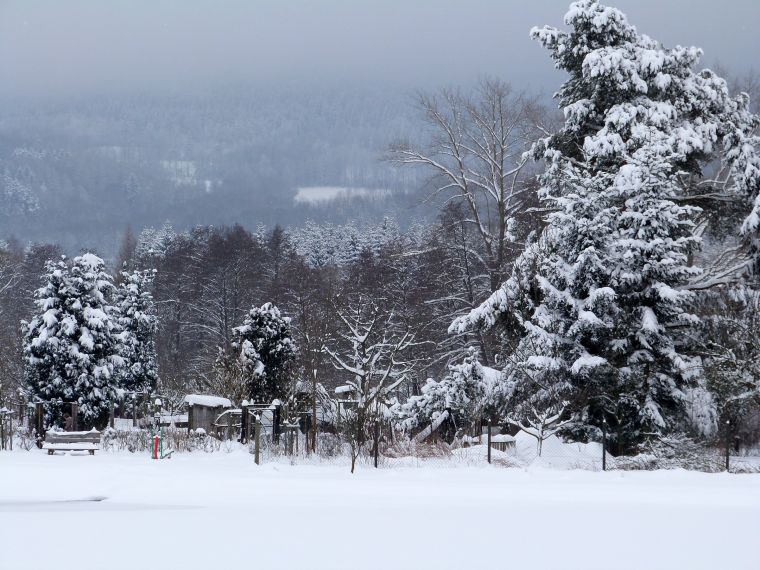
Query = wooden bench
x=72 y=441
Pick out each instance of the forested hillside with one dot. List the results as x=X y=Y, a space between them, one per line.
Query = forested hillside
x=234 y=155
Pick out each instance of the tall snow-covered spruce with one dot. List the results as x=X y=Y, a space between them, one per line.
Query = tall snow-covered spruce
x=602 y=293
x=265 y=352
x=71 y=347
x=138 y=324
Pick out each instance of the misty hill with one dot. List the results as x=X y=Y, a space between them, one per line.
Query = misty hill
x=242 y=154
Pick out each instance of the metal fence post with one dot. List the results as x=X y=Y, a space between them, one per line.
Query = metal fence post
x=74 y=414
x=604 y=445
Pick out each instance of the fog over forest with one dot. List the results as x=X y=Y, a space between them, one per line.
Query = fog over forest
x=261 y=113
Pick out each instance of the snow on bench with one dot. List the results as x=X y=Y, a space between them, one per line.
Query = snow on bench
x=72 y=441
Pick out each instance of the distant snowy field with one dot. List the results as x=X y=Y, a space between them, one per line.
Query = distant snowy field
x=321 y=194
x=222 y=511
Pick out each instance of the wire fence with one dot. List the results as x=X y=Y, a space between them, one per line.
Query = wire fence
x=379 y=446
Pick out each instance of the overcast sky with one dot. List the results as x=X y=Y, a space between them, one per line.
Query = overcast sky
x=77 y=46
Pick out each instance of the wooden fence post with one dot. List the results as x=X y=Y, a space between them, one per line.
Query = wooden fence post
x=244 y=423
x=112 y=415
x=39 y=410
x=377 y=441
x=728 y=446
x=257 y=438
x=314 y=415
x=489 y=441
x=276 y=425
x=74 y=413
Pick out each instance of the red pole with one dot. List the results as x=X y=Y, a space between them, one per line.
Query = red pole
x=156 y=440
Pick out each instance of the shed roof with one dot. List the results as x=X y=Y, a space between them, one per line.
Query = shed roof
x=208 y=401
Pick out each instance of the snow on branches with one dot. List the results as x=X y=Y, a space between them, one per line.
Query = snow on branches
x=604 y=292
x=138 y=322
x=265 y=350
x=468 y=393
x=72 y=346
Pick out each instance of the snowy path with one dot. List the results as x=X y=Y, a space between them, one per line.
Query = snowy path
x=210 y=511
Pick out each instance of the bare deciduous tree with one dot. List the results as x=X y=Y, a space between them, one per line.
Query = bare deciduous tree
x=542 y=422
x=476 y=153
x=372 y=356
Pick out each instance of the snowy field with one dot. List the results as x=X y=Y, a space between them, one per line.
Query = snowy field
x=220 y=510
x=321 y=194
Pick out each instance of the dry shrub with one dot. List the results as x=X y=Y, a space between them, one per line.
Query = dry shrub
x=329 y=445
x=24 y=438
x=409 y=448
x=140 y=440
x=673 y=452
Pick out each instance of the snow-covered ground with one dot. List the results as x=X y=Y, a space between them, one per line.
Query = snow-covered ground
x=220 y=510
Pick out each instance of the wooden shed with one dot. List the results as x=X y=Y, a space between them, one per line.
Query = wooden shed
x=501 y=441
x=202 y=410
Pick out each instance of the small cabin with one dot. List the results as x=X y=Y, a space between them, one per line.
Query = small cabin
x=202 y=410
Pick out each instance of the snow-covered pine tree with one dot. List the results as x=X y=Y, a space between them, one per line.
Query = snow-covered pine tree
x=469 y=392
x=71 y=347
x=618 y=248
x=605 y=306
x=46 y=341
x=155 y=243
x=138 y=323
x=266 y=352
